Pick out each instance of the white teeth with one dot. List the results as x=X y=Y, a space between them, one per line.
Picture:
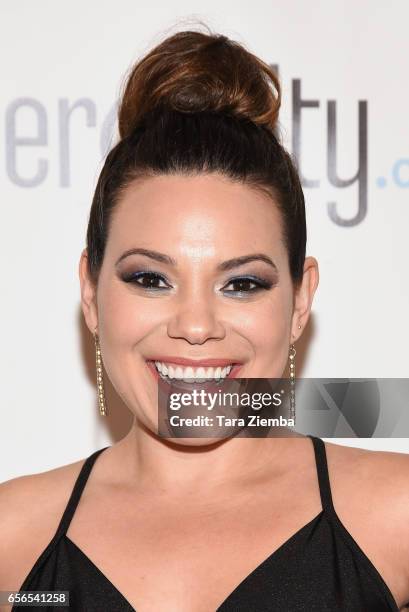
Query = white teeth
x=189 y=374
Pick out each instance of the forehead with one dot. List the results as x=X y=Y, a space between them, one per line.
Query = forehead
x=176 y=211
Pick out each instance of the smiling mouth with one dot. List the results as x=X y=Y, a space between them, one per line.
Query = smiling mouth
x=174 y=374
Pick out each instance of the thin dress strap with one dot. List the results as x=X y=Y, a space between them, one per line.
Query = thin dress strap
x=66 y=517
x=323 y=475
x=76 y=494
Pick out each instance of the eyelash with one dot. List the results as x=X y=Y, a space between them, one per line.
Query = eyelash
x=260 y=283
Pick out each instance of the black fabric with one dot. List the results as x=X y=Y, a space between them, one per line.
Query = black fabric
x=320 y=568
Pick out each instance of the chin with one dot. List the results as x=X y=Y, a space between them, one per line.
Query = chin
x=198 y=443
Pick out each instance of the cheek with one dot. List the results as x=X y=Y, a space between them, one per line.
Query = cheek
x=267 y=327
x=125 y=320
x=125 y=317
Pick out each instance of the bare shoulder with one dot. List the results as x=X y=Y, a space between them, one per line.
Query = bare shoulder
x=371 y=495
x=384 y=473
x=31 y=507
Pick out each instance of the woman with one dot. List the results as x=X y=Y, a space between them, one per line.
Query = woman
x=196 y=252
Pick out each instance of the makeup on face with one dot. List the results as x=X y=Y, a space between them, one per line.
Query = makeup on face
x=195 y=270
x=145 y=277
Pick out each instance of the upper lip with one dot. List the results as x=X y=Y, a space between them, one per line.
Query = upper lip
x=194 y=362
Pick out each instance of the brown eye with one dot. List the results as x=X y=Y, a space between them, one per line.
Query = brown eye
x=243 y=285
x=146 y=280
x=247 y=284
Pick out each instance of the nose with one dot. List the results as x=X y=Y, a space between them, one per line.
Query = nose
x=196 y=321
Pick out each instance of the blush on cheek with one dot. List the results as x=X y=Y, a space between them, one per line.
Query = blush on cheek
x=125 y=319
x=269 y=337
x=273 y=355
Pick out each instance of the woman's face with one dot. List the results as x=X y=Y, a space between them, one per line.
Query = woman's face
x=213 y=283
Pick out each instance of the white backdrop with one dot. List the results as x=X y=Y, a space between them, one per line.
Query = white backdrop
x=62 y=65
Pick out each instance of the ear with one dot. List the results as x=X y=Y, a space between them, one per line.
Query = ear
x=88 y=293
x=303 y=297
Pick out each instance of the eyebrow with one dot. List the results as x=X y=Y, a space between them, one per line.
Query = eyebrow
x=225 y=265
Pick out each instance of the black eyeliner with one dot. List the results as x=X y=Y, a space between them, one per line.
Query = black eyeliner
x=133 y=276
x=261 y=283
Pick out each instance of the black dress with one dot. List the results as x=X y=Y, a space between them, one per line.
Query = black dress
x=320 y=568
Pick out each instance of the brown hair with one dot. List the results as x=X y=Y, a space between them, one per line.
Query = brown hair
x=200 y=102
x=192 y=72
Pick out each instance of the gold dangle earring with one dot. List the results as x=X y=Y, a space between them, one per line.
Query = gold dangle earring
x=292 y=355
x=100 y=381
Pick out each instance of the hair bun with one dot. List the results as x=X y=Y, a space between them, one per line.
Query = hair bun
x=194 y=72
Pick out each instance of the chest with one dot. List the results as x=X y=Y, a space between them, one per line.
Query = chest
x=188 y=562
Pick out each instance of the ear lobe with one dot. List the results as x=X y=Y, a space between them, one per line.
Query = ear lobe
x=304 y=297
x=88 y=293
